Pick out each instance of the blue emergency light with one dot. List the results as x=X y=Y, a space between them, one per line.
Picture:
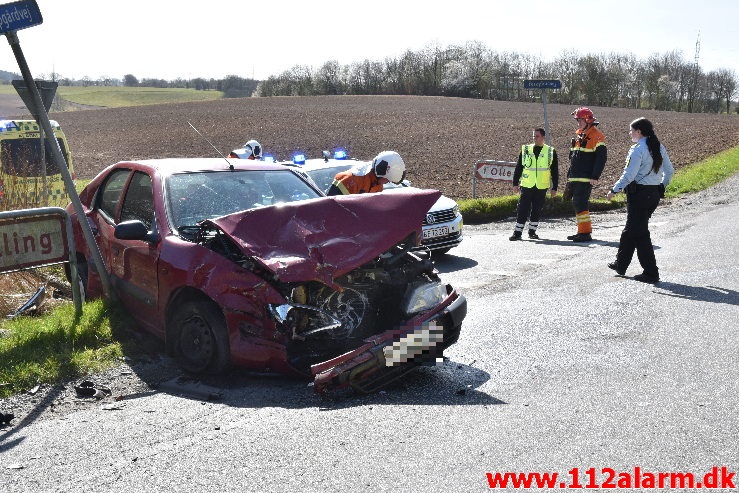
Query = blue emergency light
x=268 y=158
x=340 y=154
x=299 y=159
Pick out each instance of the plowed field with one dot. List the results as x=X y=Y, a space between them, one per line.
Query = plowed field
x=439 y=138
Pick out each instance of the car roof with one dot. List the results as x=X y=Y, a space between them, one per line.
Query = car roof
x=170 y=166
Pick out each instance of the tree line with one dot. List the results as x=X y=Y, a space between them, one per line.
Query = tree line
x=662 y=81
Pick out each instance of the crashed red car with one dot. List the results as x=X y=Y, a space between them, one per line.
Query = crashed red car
x=247 y=264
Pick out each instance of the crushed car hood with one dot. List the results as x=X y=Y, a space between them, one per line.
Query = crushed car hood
x=321 y=239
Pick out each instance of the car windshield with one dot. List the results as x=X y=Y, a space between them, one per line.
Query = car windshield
x=325 y=176
x=193 y=197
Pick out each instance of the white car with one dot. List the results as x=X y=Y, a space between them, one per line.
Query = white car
x=442 y=227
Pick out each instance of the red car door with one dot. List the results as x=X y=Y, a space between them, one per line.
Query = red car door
x=133 y=263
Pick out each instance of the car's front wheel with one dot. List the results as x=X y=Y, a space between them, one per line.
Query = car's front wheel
x=201 y=344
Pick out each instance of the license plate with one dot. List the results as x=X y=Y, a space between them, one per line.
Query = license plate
x=414 y=344
x=435 y=232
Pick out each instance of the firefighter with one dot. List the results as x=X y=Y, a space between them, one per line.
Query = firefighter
x=536 y=171
x=251 y=150
x=588 y=156
x=388 y=166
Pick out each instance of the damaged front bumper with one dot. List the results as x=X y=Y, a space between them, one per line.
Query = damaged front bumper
x=387 y=356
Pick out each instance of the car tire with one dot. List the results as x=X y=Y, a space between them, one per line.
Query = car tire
x=201 y=338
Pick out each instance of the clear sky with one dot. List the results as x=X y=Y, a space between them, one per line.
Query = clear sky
x=167 y=39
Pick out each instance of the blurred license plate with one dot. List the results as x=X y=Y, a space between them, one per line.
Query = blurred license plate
x=415 y=344
x=435 y=232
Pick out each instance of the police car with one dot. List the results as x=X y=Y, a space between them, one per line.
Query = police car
x=442 y=226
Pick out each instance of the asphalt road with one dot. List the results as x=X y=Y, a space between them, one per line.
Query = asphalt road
x=560 y=365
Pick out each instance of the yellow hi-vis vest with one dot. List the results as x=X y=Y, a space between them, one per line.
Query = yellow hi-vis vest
x=536 y=171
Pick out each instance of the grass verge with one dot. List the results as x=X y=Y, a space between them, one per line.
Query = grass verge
x=60 y=346
x=692 y=178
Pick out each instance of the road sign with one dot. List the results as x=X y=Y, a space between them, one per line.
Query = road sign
x=19 y=15
x=542 y=84
x=494 y=170
x=46 y=88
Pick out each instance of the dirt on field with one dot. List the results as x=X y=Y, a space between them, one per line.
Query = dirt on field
x=439 y=138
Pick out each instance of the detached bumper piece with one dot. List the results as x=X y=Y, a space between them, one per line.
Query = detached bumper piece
x=388 y=356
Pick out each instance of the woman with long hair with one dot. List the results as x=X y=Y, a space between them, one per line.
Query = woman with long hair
x=647 y=172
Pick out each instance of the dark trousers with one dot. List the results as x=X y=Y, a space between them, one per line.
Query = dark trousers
x=581 y=195
x=641 y=201
x=530 y=205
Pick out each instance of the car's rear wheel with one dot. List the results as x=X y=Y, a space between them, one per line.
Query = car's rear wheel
x=201 y=344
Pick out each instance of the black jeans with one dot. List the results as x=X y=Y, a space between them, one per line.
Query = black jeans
x=530 y=204
x=641 y=201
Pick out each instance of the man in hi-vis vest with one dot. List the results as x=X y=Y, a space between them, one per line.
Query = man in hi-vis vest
x=537 y=171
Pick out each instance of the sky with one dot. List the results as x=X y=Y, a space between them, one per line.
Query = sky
x=169 y=39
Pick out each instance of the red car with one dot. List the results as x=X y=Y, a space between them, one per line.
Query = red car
x=237 y=262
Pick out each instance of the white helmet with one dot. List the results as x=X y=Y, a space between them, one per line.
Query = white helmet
x=389 y=164
x=253 y=148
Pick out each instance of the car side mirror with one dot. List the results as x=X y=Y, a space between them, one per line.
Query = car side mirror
x=134 y=230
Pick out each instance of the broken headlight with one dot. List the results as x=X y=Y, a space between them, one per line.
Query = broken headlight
x=422 y=297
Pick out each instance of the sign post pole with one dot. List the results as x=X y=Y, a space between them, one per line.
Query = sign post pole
x=20 y=15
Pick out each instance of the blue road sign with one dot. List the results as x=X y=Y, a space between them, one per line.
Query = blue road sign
x=19 y=15
x=542 y=84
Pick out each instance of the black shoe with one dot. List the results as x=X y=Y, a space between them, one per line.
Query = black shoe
x=516 y=236
x=646 y=278
x=614 y=266
x=533 y=235
x=581 y=237
x=572 y=237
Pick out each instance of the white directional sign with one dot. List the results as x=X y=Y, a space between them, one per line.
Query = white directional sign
x=494 y=170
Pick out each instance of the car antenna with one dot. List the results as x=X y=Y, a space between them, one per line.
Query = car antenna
x=231 y=166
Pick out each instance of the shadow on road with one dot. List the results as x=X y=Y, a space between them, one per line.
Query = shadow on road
x=595 y=241
x=451 y=383
x=712 y=294
x=452 y=263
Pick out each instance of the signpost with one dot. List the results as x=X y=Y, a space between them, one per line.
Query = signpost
x=488 y=169
x=20 y=15
x=543 y=84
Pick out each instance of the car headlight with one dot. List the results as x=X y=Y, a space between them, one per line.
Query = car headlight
x=423 y=297
x=455 y=210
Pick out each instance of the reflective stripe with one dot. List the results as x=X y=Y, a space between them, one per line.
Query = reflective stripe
x=585 y=149
x=583 y=180
x=583 y=218
x=341 y=187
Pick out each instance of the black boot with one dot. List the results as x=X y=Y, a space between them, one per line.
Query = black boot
x=581 y=237
x=619 y=270
x=515 y=236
